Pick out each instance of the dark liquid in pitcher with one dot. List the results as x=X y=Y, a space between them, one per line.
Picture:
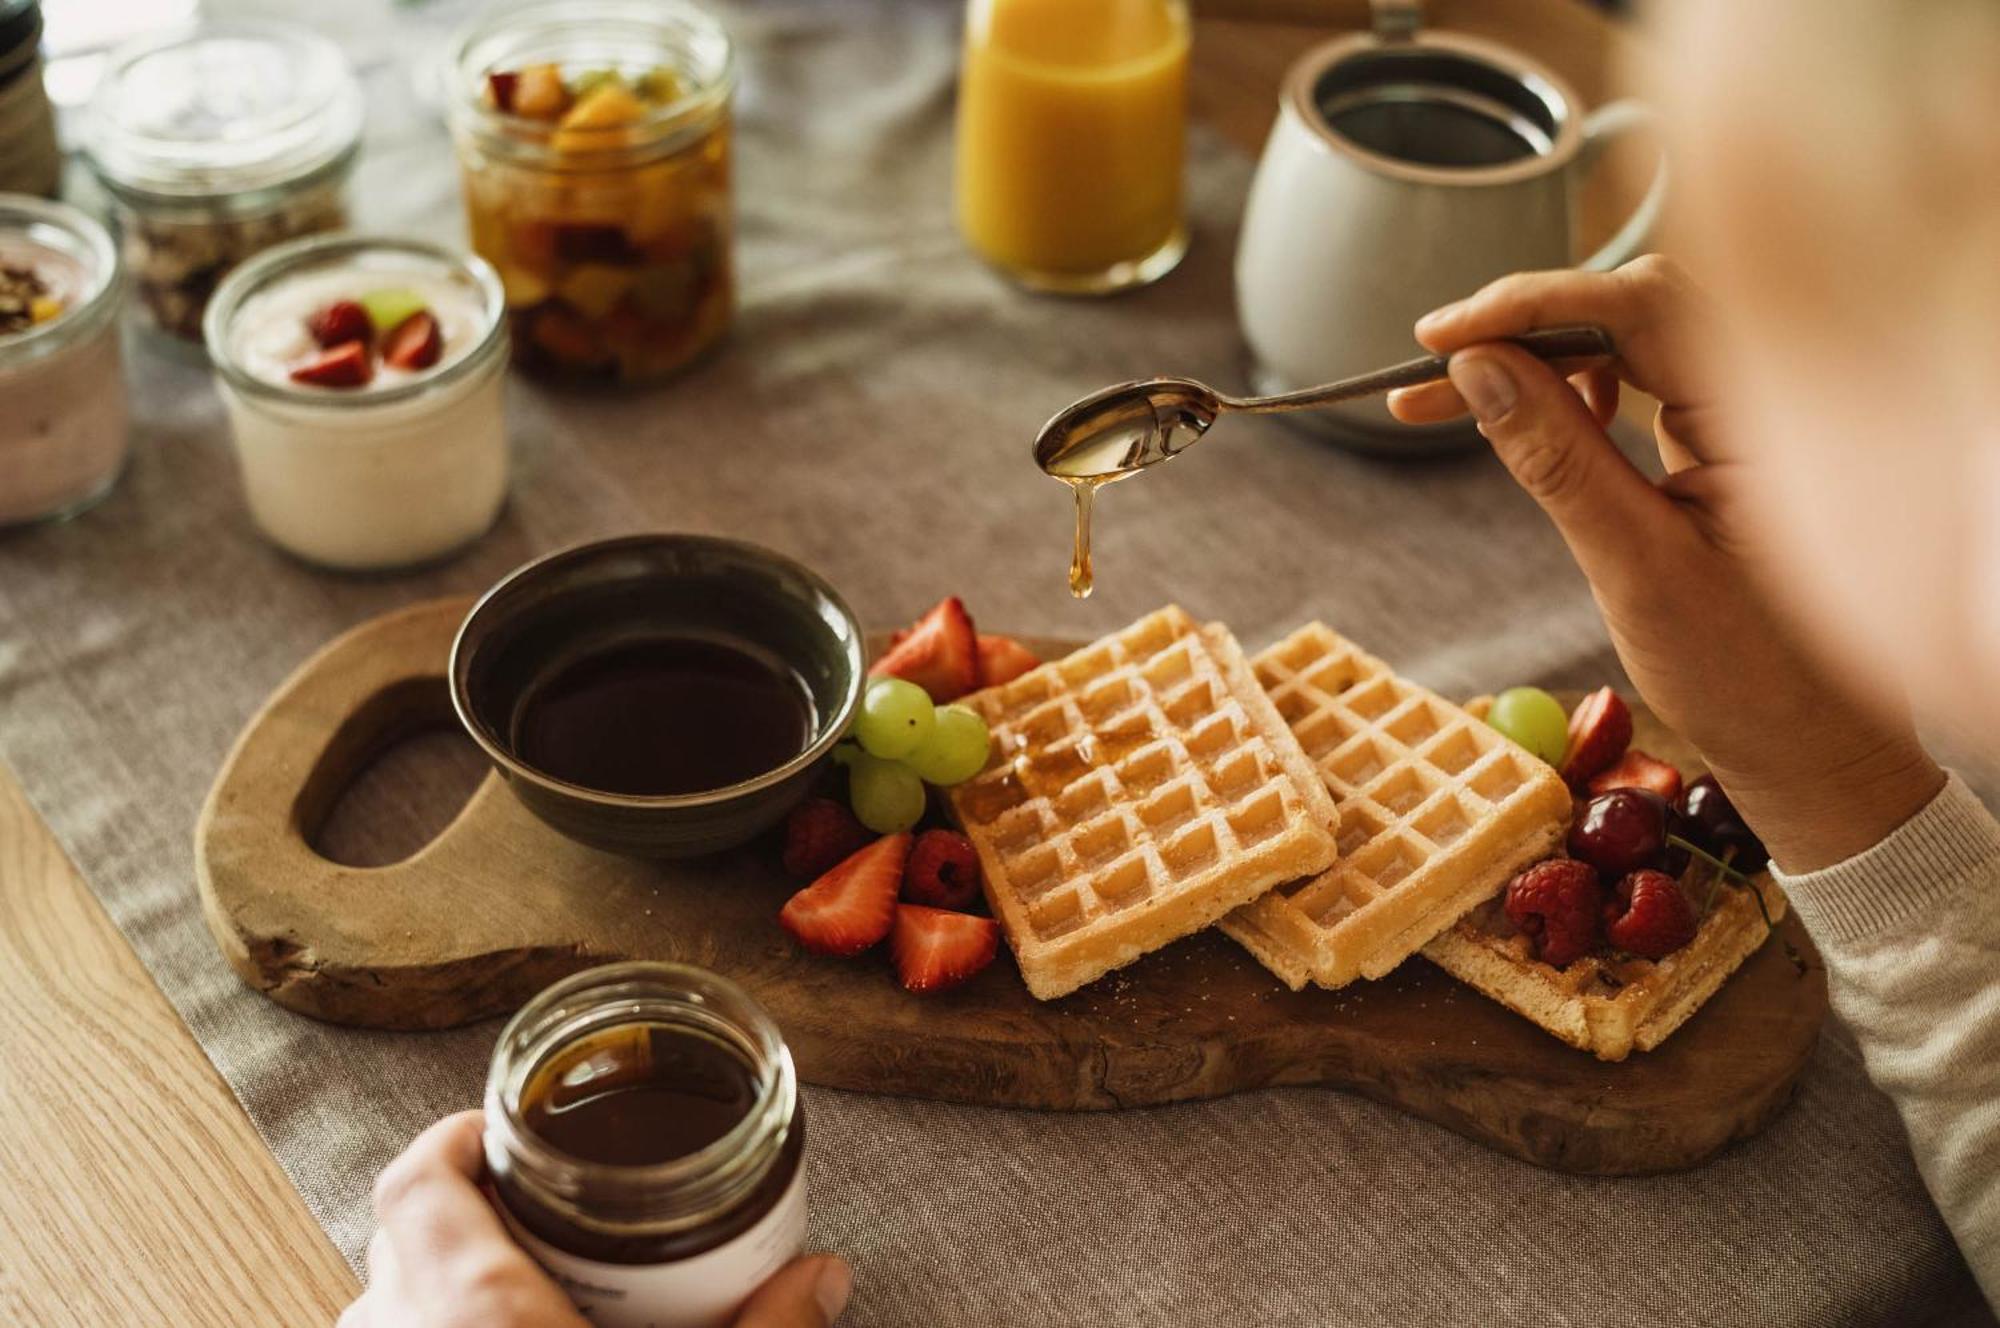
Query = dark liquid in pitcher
x=638 y=1095
x=662 y=716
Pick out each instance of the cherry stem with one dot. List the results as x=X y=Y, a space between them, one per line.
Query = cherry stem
x=1722 y=870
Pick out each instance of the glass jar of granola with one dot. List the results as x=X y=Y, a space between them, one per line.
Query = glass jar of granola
x=593 y=136
x=215 y=143
x=29 y=161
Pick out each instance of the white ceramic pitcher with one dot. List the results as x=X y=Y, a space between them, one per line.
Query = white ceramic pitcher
x=1407 y=169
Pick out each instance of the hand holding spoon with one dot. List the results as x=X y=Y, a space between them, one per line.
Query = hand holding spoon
x=1130 y=426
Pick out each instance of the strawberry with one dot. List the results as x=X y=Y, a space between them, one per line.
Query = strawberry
x=850 y=908
x=940 y=655
x=936 y=949
x=1003 y=659
x=500 y=87
x=345 y=365
x=1557 y=903
x=820 y=834
x=1649 y=915
x=1600 y=729
x=943 y=871
x=415 y=344
x=339 y=322
x=1638 y=770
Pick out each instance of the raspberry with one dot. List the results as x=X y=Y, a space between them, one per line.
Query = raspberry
x=1557 y=904
x=1649 y=915
x=943 y=871
x=821 y=835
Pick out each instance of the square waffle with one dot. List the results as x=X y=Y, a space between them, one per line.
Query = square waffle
x=1138 y=790
x=1437 y=811
x=1607 y=1004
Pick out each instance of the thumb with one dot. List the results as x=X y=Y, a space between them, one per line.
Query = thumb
x=1546 y=436
x=805 y=1293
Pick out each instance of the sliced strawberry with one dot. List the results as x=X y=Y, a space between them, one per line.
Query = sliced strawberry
x=1638 y=770
x=940 y=655
x=1003 y=659
x=345 y=365
x=415 y=344
x=1600 y=729
x=851 y=907
x=943 y=871
x=935 y=948
x=338 y=323
x=820 y=834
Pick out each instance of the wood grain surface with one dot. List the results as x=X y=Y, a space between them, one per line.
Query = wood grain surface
x=107 y=1224
x=500 y=905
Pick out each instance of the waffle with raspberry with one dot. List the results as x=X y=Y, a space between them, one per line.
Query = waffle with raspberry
x=1138 y=790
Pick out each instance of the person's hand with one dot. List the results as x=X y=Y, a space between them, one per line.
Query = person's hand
x=441 y=1259
x=1818 y=775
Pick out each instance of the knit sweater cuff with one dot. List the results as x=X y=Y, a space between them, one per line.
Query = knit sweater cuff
x=1925 y=860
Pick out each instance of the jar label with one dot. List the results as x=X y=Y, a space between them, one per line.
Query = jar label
x=703 y=1291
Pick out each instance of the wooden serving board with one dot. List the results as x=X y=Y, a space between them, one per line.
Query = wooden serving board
x=499 y=905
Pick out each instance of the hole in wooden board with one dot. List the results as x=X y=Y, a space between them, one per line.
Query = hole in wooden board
x=394 y=777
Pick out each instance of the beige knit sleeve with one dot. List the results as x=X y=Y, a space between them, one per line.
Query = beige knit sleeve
x=1910 y=930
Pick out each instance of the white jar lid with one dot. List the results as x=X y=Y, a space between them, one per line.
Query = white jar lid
x=222 y=109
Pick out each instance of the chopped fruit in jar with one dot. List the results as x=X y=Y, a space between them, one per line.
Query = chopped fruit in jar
x=345 y=365
x=415 y=344
x=522 y=288
x=852 y=906
x=1649 y=915
x=1533 y=719
x=340 y=322
x=957 y=749
x=936 y=949
x=44 y=308
x=1003 y=659
x=1600 y=729
x=1557 y=904
x=943 y=871
x=567 y=337
x=887 y=795
x=666 y=292
x=1621 y=831
x=501 y=85
x=387 y=308
x=820 y=834
x=592 y=242
x=1717 y=828
x=25 y=300
x=896 y=718
x=594 y=289
x=539 y=93
x=940 y=655
x=609 y=105
x=1637 y=769
x=658 y=86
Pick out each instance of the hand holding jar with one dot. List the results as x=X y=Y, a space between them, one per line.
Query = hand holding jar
x=440 y=1257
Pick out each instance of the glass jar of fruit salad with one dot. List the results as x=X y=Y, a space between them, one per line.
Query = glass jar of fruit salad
x=29 y=160
x=363 y=379
x=645 y=1140
x=594 y=141
x=63 y=438
x=215 y=143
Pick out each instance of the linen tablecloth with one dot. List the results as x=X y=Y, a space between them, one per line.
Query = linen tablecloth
x=870 y=415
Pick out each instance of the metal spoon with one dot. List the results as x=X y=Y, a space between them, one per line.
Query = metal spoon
x=1127 y=427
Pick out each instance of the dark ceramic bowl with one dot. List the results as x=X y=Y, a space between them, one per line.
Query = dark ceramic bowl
x=552 y=612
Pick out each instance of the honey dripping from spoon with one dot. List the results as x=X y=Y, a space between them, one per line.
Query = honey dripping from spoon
x=1081 y=578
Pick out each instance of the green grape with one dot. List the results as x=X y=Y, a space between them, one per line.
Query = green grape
x=846 y=754
x=389 y=307
x=956 y=750
x=887 y=795
x=1533 y=718
x=896 y=718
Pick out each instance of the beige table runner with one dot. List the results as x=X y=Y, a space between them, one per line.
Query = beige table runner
x=871 y=416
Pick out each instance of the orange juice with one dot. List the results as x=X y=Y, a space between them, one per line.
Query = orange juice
x=1071 y=120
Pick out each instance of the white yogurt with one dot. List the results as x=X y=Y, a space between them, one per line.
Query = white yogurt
x=403 y=471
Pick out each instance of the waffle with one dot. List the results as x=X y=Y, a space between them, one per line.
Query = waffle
x=1607 y=1005
x=1437 y=812
x=1138 y=790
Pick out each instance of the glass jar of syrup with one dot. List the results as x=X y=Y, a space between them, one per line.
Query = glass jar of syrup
x=645 y=1139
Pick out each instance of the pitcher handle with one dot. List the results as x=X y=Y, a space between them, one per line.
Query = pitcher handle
x=1600 y=129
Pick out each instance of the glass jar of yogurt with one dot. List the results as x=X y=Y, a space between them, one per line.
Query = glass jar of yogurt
x=29 y=161
x=594 y=142
x=369 y=438
x=217 y=142
x=646 y=1143
x=63 y=438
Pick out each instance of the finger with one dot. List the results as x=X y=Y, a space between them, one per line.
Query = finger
x=1646 y=306
x=1598 y=386
x=1548 y=439
x=805 y=1293
x=1427 y=403
x=426 y=1200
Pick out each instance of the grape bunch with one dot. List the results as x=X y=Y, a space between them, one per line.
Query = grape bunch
x=901 y=742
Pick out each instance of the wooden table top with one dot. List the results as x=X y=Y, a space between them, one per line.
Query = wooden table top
x=137 y=1189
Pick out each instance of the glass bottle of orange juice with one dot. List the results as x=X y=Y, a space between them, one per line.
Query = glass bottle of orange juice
x=1072 y=117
